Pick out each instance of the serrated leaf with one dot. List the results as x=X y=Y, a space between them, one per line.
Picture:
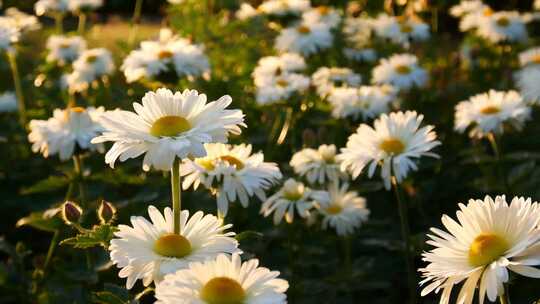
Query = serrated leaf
x=38 y=221
x=106 y=297
x=49 y=184
x=248 y=235
x=98 y=236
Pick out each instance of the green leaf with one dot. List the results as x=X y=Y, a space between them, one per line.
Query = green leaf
x=49 y=184
x=40 y=222
x=106 y=297
x=98 y=236
x=248 y=235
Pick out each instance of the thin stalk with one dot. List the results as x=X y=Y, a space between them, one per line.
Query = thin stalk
x=347 y=254
x=176 y=194
x=78 y=166
x=59 y=23
x=18 y=86
x=82 y=23
x=504 y=299
x=135 y=20
x=50 y=252
x=406 y=235
x=498 y=156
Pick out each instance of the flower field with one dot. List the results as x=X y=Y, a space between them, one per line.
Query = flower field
x=270 y=151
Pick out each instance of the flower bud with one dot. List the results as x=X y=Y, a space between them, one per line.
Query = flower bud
x=71 y=212
x=106 y=212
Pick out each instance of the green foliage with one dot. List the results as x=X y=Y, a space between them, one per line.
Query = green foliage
x=99 y=236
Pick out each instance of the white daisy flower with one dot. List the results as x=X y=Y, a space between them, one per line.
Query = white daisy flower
x=84 y=5
x=223 y=280
x=246 y=11
x=466 y=7
x=394 y=142
x=168 y=55
x=490 y=238
x=8 y=102
x=281 y=87
x=327 y=79
x=502 y=26
x=91 y=65
x=8 y=35
x=365 y=101
x=358 y=31
x=168 y=125
x=305 y=38
x=400 y=30
x=344 y=211
x=66 y=131
x=50 y=7
x=22 y=21
x=284 y=7
x=292 y=196
x=63 y=49
x=323 y=14
x=231 y=172
x=150 y=250
x=530 y=57
x=527 y=80
x=490 y=112
x=317 y=165
x=271 y=66
x=401 y=71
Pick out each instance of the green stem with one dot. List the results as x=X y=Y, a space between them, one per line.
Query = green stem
x=347 y=253
x=78 y=166
x=406 y=236
x=50 y=252
x=176 y=194
x=59 y=23
x=82 y=23
x=498 y=156
x=135 y=20
x=18 y=86
x=505 y=298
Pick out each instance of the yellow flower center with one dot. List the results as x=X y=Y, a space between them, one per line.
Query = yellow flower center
x=334 y=209
x=77 y=109
x=172 y=245
x=165 y=54
x=282 y=82
x=490 y=110
x=392 y=146
x=323 y=10
x=65 y=45
x=536 y=59
x=293 y=194
x=223 y=290
x=488 y=12
x=487 y=248
x=91 y=59
x=405 y=28
x=238 y=164
x=170 y=126
x=403 y=69
x=503 y=21
x=302 y=29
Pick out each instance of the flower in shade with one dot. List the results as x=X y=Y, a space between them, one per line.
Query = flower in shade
x=225 y=280
x=401 y=71
x=281 y=88
x=231 y=172
x=365 y=101
x=323 y=14
x=292 y=196
x=51 y=7
x=63 y=49
x=246 y=11
x=8 y=102
x=270 y=67
x=67 y=131
x=490 y=112
x=527 y=80
x=90 y=66
x=401 y=29
x=394 y=142
x=470 y=12
x=305 y=38
x=317 y=165
x=344 y=211
x=502 y=26
x=21 y=21
x=284 y=7
x=327 y=79
x=8 y=35
x=489 y=239
x=530 y=57
x=150 y=250
x=84 y=5
x=166 y=126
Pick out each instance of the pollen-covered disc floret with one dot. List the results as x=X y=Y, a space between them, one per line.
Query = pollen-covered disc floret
x=66 y=131
x=225 y=280
x=150 y=250
x=232 y=172
x=293 y=197
x=168 y=125
x=489 y=238
x=394 y=143
x=491 y=112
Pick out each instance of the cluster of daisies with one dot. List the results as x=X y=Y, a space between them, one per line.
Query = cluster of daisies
x=55 y=8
